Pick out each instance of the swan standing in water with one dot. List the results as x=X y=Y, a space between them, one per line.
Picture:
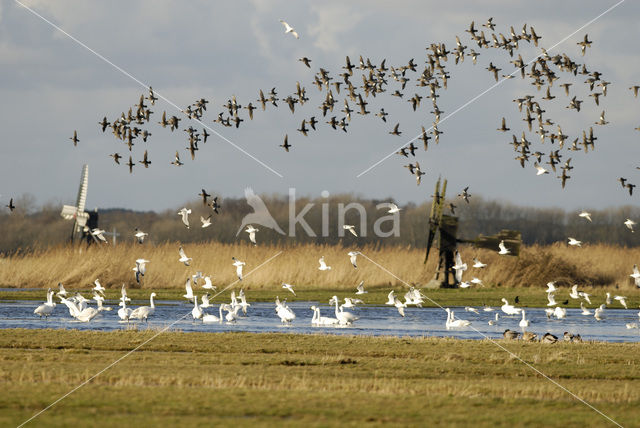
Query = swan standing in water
x=524 y=322
x=144 y=312
x=509 y=309
x=196 y=312
x=46 y=308
x=454 y=323
x=344 y=317
x=124 y=313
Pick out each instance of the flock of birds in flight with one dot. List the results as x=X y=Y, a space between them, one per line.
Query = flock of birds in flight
x=377 y=80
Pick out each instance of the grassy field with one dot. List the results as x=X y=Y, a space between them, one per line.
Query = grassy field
x=76 y=267
x=194 y=379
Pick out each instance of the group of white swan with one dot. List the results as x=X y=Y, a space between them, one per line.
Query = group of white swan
x=79 y=307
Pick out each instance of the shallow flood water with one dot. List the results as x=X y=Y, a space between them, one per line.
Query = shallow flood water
x=374 y=321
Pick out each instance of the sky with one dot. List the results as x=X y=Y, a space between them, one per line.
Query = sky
x=51 y=86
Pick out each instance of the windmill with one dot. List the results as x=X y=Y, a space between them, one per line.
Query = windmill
x=444 y=228
x=76 y=212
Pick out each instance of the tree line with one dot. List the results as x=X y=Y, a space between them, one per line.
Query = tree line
x=32 y=227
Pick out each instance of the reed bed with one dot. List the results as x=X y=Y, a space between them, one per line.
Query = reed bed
x=268 y=266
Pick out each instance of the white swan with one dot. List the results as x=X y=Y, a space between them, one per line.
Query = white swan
x=599 y=313
x=494 y=321
x=344 y=317
x=524 y=322
x=210 y=318
x=509 y=309
x=552 y=299
x=124 y=313
x=585 y=311
x=454 y=323
x=196 y=312
x=319 y=320
x=144 y=312
x=46 y=308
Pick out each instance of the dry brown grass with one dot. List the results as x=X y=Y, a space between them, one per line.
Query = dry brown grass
x=76 y=267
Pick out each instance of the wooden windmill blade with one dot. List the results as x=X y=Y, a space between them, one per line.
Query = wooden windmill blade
x=76 y=212
x=435 y=215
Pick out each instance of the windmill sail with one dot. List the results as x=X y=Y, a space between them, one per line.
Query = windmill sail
x=77 y=212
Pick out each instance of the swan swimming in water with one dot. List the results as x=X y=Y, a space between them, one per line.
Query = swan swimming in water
x=210 y=318
x=453 y=323
x=319 y=320
x=494 y=321
x=585 y=311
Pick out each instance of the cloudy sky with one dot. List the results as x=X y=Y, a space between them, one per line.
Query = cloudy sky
x=52 y=86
